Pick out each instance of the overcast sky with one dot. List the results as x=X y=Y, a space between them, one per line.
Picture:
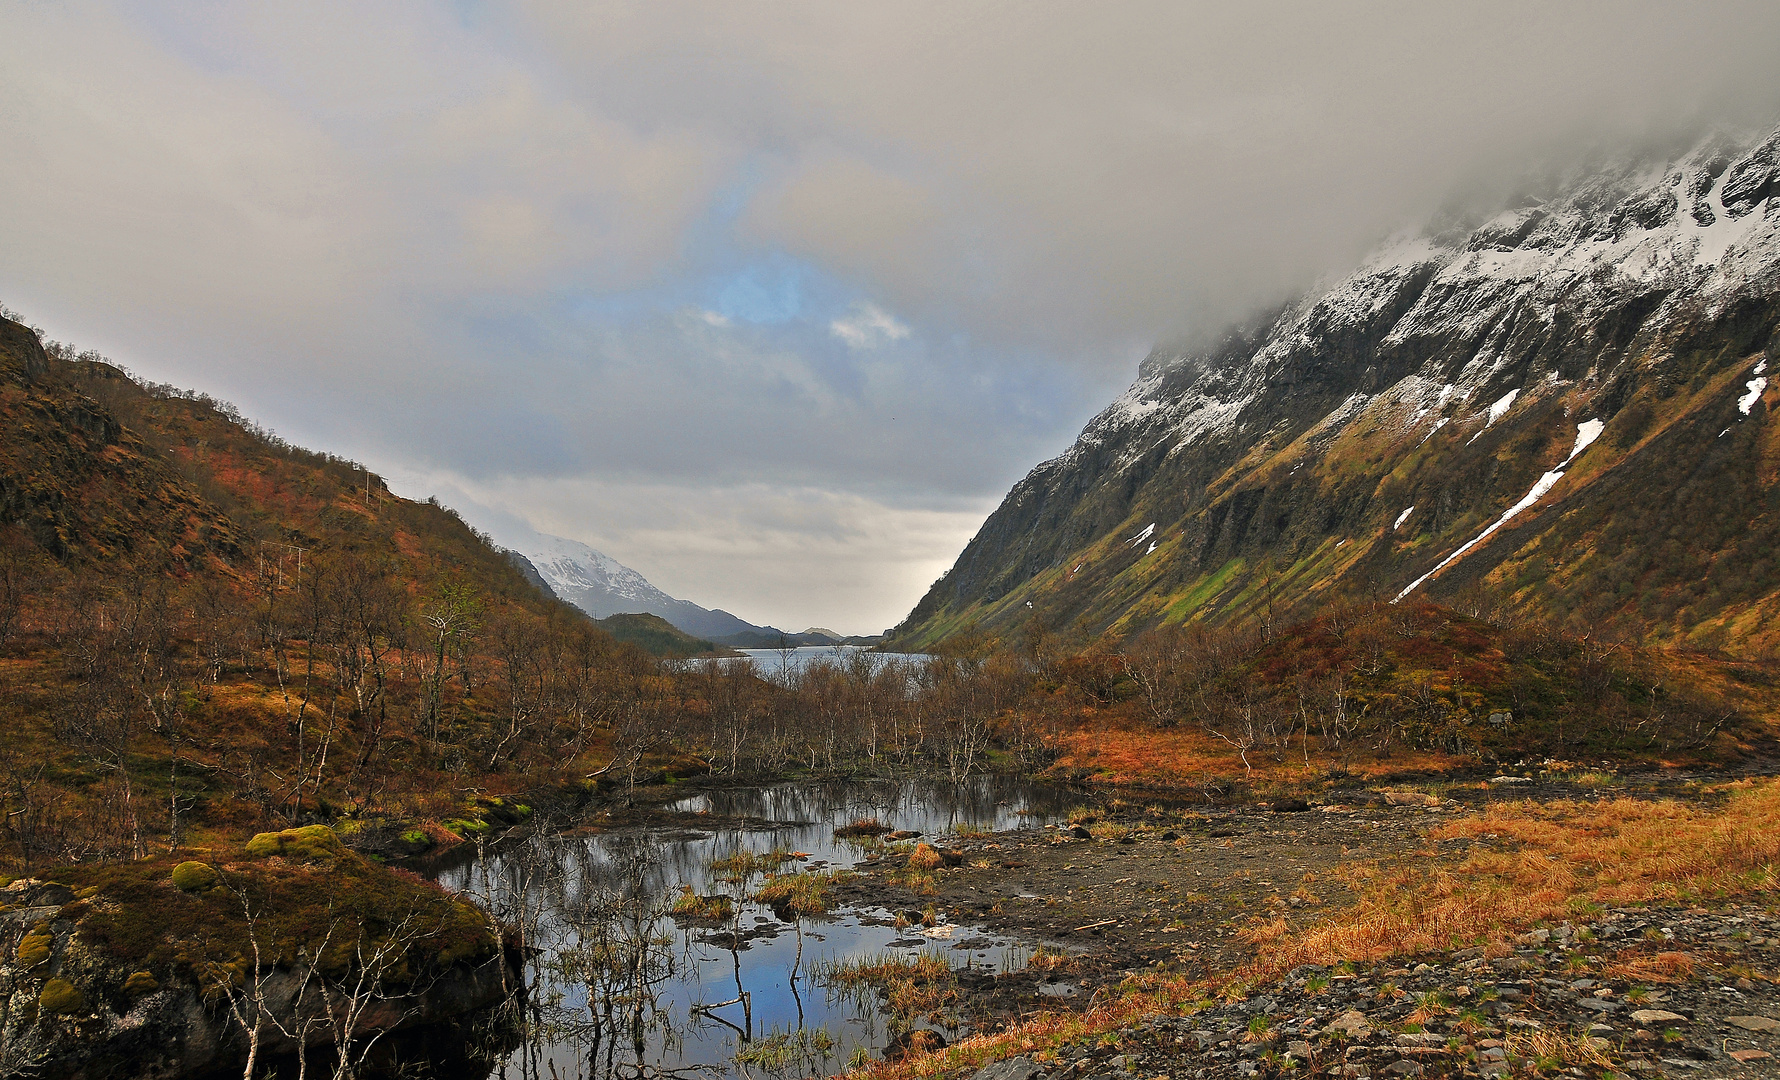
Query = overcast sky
x=769 y=301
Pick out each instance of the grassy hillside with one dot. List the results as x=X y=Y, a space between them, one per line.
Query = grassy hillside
x=658 y=637
x=1384 y=687
x=203 y=627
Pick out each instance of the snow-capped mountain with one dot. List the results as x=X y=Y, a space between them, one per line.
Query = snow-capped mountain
x=601 y=585
x=1563 y=405
x=574 y=569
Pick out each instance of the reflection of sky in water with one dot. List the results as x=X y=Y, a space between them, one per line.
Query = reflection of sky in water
x=570 y=885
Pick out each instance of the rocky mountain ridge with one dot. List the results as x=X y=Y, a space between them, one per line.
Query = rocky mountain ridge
x=1561 y=408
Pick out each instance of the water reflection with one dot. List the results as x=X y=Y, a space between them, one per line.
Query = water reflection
x=786 y=663
x=618 y=989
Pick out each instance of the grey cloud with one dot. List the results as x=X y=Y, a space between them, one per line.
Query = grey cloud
x=677 y=399
x=1085 y=174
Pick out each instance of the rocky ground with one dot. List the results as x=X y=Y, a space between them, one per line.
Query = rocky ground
x=1677 y=991
x=1566 y=999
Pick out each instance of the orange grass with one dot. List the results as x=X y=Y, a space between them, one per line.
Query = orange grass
x=1121 y=750
x=1571 y=856
x=925 y=857
x=1664 y=967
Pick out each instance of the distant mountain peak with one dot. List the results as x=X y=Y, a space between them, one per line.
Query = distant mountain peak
x=602 y=587
x=571 y=565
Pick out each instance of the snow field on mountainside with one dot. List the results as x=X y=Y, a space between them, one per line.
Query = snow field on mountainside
x=1586 y=433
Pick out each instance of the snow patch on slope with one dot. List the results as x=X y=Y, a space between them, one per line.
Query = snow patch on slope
x=1501 y=405
x=1544 y=484
x=1497 y=410
x=1755 y=387
x=1586 y=433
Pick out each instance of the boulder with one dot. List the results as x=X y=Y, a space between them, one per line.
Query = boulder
x=1014 y=1068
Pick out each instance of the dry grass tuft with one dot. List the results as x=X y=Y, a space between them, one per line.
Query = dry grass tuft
x=913 y=989
x=1050 y=960
x=863 y=827
x=691 y=905
x=1664 y=967
x=741 y=866
x=800 y=894
x=1261 y=931
x=925 y=857
x=1548 y=1050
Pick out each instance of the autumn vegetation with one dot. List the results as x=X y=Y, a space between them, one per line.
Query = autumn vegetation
x=207 y=632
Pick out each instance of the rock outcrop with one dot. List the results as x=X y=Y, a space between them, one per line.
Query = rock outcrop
x=151 y=972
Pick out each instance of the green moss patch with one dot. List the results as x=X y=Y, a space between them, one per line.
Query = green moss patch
x=61 y=997
x=141 y=984
x=315 y=901
x=34 y=948
x=193 y=876
x=311 y=843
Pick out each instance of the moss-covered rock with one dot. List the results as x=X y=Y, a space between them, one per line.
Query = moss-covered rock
x=467 y=828
x=194 y=876
x=415 y=841
x=138 y=972
x=311 y=843
x=61 y=998
x=35 y=947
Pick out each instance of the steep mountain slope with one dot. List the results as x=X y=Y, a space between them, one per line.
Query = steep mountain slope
x=78 y=483
x=1563 y=408
x=601 y=586
x=104 y=479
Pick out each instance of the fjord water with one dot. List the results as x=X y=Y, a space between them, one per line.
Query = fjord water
x=618 y=988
